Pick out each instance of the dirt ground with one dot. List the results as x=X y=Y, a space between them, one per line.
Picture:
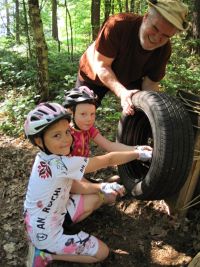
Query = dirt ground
x=139 y=233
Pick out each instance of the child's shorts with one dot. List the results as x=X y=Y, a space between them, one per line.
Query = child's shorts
x=75 y=207
x=77 y=244
x=80 y=243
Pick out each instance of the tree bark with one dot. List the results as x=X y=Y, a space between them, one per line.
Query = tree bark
x=107 y=8
x=7 y=19
x=95 y=17
x=196 y=26
x=70 y=46
x=41 y=49
x=120 y=5
x=132 y=6
x=55 y=23
x=26 y=29
x=126 y=6
x=17 y=22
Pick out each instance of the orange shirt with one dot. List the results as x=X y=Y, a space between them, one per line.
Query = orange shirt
x=118 y=38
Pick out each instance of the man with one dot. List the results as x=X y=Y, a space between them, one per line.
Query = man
x=131 y=51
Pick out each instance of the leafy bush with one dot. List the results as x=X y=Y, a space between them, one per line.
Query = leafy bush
x=108 y=113
x=15 y=70
x=18 y=76
x=183 y=70
x=15 y=108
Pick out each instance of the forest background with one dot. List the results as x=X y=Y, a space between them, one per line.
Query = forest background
x=40 y=46
x=41 y=43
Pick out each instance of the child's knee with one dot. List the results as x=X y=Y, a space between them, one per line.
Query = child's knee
x=102 y=252
x=93 y=202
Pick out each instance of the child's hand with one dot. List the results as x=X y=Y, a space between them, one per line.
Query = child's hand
x=111 y=191
x=145 y=153
x=114 y=188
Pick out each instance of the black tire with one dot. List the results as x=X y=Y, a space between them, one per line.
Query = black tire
x=162 y=122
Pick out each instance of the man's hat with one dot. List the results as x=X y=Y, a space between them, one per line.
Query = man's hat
x=173 y=11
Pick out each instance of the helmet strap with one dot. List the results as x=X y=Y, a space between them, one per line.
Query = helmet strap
x=75 y=125
x=44 y=148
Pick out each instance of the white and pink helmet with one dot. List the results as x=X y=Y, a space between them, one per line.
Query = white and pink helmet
x=43 y=116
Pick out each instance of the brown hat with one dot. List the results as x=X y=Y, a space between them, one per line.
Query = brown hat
x=172 y=10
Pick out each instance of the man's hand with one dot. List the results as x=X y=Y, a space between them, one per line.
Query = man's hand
x=126 y=101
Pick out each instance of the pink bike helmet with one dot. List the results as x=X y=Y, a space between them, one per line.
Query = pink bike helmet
x=43 y=116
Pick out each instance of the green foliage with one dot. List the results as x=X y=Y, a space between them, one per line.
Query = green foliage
x=62 y=71
x=60 y=65
x=6 y=43
x=18 y=73
x=14 y=112
x=183 y=70
x=15 y=69
x=58 y=91
x=108 y=114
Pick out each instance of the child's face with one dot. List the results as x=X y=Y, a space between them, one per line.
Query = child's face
x=58 y=139
x=84 y=116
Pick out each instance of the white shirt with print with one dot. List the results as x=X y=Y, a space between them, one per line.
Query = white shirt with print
x=47 y=195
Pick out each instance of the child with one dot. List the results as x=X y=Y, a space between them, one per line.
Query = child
x=81 y=102
x=55 y=174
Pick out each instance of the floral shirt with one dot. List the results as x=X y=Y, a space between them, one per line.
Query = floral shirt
x=47 y=196
x=82 y=140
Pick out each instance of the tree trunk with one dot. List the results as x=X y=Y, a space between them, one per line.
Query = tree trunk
x=70 y=47
x=112 y=6
x=54 y=20
x=26 y=29
x=7 y=19
x=120 y=5
x=196 y=25
x=132 y=6
x=41 y=49
x=95 y=17
x=66 y=27
x=126 y=6
x=55 y=23
x=107 y=7
x=17 y=34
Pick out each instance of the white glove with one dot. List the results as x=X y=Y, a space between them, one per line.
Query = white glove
x=144 y=153
x=108 y=188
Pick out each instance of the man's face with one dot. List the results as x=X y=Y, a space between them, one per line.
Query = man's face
x=155 y=31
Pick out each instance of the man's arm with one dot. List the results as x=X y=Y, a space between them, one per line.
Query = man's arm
x=102 y=66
